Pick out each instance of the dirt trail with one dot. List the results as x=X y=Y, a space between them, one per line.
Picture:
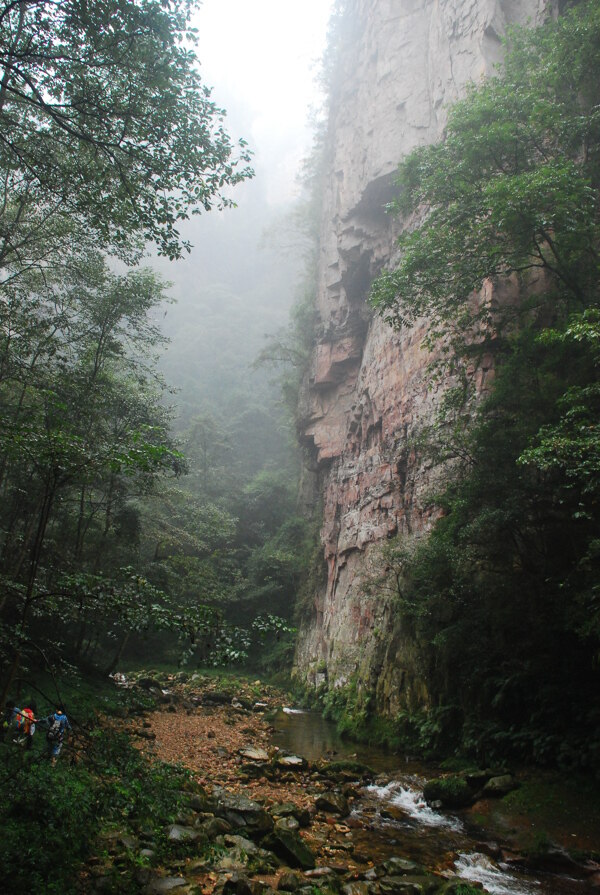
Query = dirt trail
x=209 y=740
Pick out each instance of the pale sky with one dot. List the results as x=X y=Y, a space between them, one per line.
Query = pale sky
x=266 y=54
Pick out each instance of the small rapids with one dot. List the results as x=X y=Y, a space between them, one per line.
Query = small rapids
x=407 y=794
x=392 y=818
x=478 y=868
x=409 y=825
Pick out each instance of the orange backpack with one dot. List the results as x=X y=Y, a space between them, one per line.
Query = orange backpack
x=25 y=720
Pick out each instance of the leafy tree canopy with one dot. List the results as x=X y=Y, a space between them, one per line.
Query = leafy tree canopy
x=104 y=121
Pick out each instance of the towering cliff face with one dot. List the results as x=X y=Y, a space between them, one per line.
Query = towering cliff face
x=404 y=62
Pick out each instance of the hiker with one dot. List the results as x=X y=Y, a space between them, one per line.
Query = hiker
x=57 y=724
x=25 y=724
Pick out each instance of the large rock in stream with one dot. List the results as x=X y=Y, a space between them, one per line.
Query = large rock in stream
x=333 y=803
x=448 y=792
x=499 y=786
x=243 y=814
x=344 y=770
x=288 y=845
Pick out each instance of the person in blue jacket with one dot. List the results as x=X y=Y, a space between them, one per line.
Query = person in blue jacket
x=57 y=725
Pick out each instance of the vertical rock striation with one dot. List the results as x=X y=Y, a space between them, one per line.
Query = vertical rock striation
x=402 y=64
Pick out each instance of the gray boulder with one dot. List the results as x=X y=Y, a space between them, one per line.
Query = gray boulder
x=178 y=833
x=291 y=762
x=243 y=814
x=288 y=809
x=500 y=786
x=287 y=823
x=333 y=803
x=165 y=884
x=290 y=847
x=401 y=867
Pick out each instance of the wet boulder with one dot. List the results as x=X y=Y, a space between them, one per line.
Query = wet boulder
x=344 y=770
x=200 y=801
x=401 y=867
x=242 y=843
x=326 y=879
x=245 y=852
x=449 y=792
x=499 y=786
x=287 y=823
x=333 y=803
x=254 y=770
x=253 y=753
x=356 y=887
x=237 y=884
x=215 y=826
x=213 y=697
x=244 y=702
x=149 y=683
x=458 y=886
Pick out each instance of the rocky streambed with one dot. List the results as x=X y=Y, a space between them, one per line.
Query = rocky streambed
x=264 y=818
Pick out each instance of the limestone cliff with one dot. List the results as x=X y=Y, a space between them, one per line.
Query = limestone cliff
x=403 y=62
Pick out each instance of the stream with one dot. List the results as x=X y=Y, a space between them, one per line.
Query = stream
x=391 y=817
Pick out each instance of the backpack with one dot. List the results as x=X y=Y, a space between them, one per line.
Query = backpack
x=55 y=730
x=25 y=721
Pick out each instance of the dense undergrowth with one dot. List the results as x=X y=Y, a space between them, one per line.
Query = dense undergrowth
x=54 y=818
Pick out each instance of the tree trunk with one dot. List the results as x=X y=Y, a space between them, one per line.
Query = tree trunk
x=36 y=551
x=117 y=658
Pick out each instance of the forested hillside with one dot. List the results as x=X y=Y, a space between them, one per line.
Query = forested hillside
x=141 y=488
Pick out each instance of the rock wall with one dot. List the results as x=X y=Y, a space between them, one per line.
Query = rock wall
x=402 y=63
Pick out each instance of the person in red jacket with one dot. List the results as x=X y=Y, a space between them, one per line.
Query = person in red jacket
x=26 y=724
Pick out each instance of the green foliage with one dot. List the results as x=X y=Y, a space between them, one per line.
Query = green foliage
x=105 y=121
x=349 y=707
x=83 y=432
x=48 y=820
x=571 y=445
x=52 y=816
x=501 y=596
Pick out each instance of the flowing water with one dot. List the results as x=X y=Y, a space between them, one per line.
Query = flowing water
x=392 y=818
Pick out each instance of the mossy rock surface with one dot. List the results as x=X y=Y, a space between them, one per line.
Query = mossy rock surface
x=451 y=792
x=345 y=768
